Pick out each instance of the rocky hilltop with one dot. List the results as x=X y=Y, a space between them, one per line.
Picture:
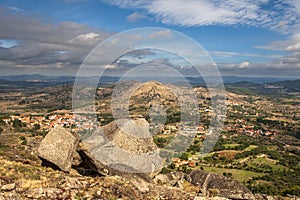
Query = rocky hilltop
x=152 y=90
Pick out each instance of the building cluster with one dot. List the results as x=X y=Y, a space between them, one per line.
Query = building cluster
x=240 y=127
x=178 y=162
x=73 y=121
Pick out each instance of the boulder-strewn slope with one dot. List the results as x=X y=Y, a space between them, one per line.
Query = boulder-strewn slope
x=29 y=180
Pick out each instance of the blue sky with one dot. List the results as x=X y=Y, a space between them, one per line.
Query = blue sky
x=244 y=37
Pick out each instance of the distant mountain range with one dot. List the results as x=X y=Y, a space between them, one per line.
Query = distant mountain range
x=271 y=87
x=254 y=83
x=236 y=79
x=38 y=78
x=226 y=79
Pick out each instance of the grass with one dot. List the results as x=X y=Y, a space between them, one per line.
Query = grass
x=230 y=146
x=229 y=154
x=16 y=144
x=188 y=187
x=27 y=175
x=249 y=148
x=260 y=161
x=272 y=148
x=240 y=175
x=3 y=147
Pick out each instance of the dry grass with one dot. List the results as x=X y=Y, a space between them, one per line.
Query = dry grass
x=229 y=154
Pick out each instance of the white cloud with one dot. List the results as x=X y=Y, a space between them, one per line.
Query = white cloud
x=244 y=64
x=88 y=36
x=294 y=47
x=292 y=44
x=296 y=4
x=135 y=17
x=236 y=54
x=161 y=34
x=277 y=15
x=32 y=45
x=110 y=66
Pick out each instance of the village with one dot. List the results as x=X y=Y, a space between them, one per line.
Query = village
x=80 y=123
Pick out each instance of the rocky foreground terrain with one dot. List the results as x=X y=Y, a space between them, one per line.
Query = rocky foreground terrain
x=60 y=166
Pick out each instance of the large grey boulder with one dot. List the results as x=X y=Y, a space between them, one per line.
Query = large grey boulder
x=58 y=148
x=122 y=147
x=215 y=185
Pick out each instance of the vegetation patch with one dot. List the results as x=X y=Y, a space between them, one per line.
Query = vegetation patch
x=240 y=175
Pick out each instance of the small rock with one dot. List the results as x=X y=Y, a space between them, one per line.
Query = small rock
x=73 y=183
x=73 y=194
x=180 y=184
x=2 y=182
x=76 y=159
x=44 y=193
x=98 y=193
x=8 y=187
x=161 y=179
x=270 y=198
x=259 y=197
x=141 y=184
x=212 y=198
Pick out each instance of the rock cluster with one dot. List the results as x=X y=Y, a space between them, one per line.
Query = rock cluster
x=215 y=185
x=61 y=149
x=123 y=146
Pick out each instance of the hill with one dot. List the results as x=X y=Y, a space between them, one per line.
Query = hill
x=266 y=88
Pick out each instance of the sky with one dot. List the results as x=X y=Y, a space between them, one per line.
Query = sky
x=253 y=38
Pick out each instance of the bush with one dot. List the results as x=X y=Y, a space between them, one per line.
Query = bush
x=17 y=123
x=24 y=142
x=165 y=170
x=184 y=156
x=2 y=122
x=36 y=127
x=22 y=137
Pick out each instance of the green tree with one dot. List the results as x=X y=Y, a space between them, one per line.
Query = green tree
x=165 y=170
x=36 y=126
x=17 y=124
x=172 y=166
x=2 y=122
x=184 y=156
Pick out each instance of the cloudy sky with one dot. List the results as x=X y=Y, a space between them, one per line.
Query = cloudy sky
x=243 y=37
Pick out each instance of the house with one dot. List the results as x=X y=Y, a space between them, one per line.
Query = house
x=175 y=160
x=191 y=164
